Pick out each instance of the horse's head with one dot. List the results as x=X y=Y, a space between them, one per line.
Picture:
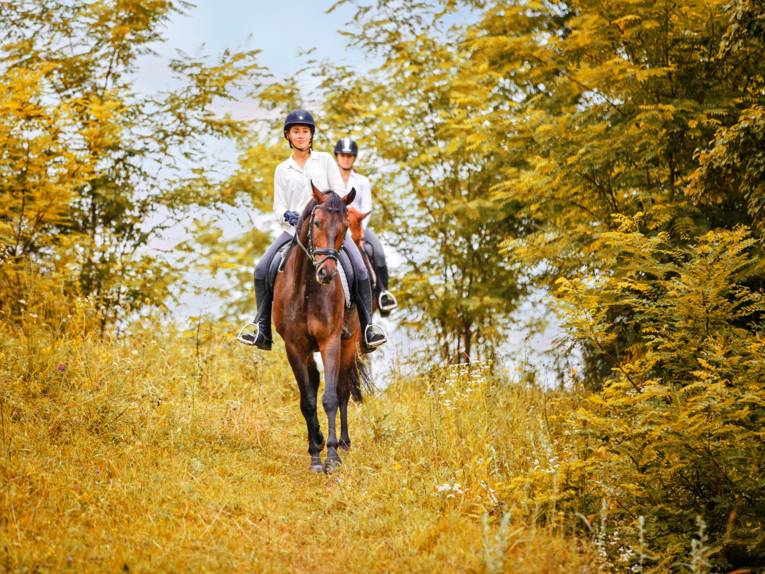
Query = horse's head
x=326 y=231
x=355 y=217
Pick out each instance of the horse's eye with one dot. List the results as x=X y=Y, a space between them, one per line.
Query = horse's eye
x=317 y=224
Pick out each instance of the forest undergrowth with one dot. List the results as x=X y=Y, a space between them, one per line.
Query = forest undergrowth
x=169 y=450
x=183 y=451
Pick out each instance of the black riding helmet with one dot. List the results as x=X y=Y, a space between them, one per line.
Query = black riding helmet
x=299 y=118
x=346 y=145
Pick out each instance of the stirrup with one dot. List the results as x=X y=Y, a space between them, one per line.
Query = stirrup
x=390 y=306
x=248 y=336
x=374 y=344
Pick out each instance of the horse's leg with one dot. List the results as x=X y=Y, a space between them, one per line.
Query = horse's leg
x=314 y=380
x=343 y=394
x=301 y=367
x=344 y=389
x=330 y=354
x=345 y=439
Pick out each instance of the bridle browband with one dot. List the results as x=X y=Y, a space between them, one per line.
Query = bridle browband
x=311 y=251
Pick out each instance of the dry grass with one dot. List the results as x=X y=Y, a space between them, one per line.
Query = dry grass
x=150 y=455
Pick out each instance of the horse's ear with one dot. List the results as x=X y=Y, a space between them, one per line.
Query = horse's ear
x=365 y=215
x=317 y=195
x=350 y=196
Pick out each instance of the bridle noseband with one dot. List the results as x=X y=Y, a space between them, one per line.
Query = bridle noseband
x=311 y=251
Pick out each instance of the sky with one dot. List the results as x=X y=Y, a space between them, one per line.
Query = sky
x=281 y=30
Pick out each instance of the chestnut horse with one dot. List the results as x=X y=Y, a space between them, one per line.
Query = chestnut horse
x=309 y=313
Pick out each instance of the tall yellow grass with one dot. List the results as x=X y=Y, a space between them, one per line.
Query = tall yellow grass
x=183 y=452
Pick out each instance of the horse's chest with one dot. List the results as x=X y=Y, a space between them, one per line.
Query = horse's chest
x=304 y=310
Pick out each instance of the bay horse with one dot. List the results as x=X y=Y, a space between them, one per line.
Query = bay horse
x=310 y=315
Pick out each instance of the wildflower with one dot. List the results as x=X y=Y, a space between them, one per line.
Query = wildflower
x=449 y=490
x=625 y=554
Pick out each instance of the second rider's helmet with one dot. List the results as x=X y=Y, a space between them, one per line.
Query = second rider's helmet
x=346 y=145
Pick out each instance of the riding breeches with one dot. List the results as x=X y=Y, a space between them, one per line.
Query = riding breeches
x=359 y=269
x=261 y=268
x=377 y=249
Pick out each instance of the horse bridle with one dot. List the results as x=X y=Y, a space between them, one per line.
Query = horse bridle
x=311 y=251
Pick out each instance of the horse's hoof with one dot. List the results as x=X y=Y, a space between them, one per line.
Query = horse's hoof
x=332 y=464
x=345 y=445
x=316 y=465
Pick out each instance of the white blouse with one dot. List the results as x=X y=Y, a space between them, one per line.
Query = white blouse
x=363 y=199
x=292 y=184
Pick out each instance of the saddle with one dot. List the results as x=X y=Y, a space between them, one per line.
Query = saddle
x=344 y=270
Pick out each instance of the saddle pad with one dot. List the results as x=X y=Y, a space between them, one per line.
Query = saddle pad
x=346 y=288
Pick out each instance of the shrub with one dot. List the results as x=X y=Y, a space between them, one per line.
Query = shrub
x=676 y=431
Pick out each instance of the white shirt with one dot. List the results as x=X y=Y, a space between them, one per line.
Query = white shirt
x=363 y=200
x=292 y=184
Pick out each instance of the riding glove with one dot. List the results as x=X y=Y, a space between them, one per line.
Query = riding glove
x=291 y=217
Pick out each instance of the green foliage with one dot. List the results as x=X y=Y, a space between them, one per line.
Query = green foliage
x=433 y=177
x=617 y=150
x=731 y=172
x=677 y=429
x=92 y=170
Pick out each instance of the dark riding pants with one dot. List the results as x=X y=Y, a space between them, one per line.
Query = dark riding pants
x=261 y=269
x=377 y=249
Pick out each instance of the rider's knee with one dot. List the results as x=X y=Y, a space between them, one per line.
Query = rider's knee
x=261 y=268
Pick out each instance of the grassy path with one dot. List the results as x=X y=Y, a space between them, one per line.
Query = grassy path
x=190 y=460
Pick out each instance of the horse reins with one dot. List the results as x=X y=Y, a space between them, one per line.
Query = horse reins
x=312 y=251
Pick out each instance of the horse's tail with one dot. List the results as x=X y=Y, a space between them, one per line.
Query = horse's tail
x=361 y=379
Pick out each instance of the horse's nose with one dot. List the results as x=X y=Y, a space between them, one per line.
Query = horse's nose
x=325 y=276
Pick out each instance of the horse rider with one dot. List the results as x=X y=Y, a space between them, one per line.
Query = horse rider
x=346 y=152
x=292 y=192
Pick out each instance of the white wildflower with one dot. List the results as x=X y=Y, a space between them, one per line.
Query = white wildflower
x=449 y=490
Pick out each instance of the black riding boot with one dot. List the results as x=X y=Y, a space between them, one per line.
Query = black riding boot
x=262 y=337
x=372 y=336
x=382 y=276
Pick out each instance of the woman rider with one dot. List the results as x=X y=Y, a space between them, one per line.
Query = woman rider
x=292 y=192
x=346 y=151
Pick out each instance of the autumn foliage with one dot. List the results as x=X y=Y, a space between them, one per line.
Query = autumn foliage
x=609 y=155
